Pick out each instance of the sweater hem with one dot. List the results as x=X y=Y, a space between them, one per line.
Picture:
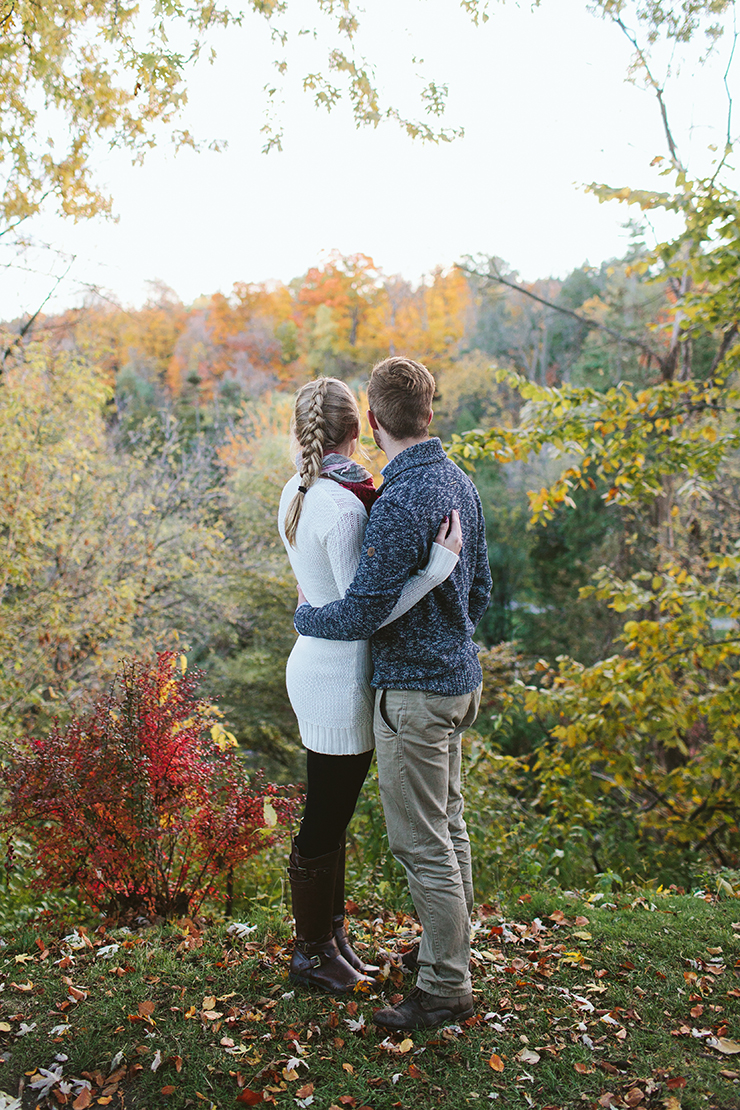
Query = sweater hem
x=336 y=741
x=429 y=685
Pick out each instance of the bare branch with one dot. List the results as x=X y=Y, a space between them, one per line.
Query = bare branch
x=30 y=322
x=657 y=89
x=587 y=323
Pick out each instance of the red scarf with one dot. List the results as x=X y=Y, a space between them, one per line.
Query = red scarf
x=366 y=492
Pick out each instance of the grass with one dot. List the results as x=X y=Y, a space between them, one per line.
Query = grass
x=579 y=1004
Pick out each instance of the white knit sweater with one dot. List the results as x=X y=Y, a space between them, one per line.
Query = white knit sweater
x=329 y=680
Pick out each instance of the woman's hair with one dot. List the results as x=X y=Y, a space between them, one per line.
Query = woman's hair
x=325 y=415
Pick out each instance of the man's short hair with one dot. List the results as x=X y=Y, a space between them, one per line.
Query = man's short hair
x=400 y=395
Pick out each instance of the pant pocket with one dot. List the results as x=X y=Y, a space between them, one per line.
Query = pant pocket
x=387 y=714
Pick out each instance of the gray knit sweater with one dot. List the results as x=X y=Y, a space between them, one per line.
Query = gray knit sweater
x=431 y=646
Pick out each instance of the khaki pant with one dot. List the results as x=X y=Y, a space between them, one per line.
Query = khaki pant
x=417 y=738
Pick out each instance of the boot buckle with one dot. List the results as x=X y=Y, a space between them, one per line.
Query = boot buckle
x=315 y=961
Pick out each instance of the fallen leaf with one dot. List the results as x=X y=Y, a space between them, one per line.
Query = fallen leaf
x=634 y=1097
x=209 y=1002
x=496 y=1063
x=676 y=1083
x=607 y=1067
x=305 y=1090
x=696 y=1011
x=727 y=1074
x=414 y=1071
x=23 y=987
x=527 y=1056
x=168 y=1090
x=582 y=934
x=723 y=1044
x=249 y=1098
x=83 y=1099
x=671 y=1103
x=348 y=1068
x=582 y=1069
x=5 y=1027
x=146 y=1008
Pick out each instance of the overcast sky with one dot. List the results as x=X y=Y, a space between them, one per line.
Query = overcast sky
x=546 y=108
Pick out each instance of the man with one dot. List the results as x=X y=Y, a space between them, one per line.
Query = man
x=426 y=676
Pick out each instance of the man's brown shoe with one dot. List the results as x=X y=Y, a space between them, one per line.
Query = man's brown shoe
x=423 y=1011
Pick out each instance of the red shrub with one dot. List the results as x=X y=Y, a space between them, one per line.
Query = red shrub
x=136 y=804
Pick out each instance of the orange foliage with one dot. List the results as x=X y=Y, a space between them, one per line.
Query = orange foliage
x=338 y=319
x=427 y=323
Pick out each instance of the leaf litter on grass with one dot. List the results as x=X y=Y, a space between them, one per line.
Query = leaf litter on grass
x=576 y=1006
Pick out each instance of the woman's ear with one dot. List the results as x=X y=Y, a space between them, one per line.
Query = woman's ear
x=371 y=418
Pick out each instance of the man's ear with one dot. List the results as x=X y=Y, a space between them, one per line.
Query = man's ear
x=372 y=420
x=431 y=414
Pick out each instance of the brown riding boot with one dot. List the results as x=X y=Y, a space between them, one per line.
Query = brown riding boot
x=316 y=960
x=338 y=922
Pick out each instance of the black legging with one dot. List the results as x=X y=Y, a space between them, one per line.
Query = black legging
x=333 y=787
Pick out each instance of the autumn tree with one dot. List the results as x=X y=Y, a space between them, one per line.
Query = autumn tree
x=73 y=75
x=639 y=760
x=102 y=554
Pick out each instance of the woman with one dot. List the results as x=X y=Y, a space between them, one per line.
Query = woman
x=322 y=518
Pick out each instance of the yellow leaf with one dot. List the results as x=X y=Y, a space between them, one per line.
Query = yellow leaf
x=270 y=814
x=496 y=1063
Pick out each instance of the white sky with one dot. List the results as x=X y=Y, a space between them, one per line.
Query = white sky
x=545 y=105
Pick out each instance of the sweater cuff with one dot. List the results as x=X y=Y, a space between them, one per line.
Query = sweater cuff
x=441 y=564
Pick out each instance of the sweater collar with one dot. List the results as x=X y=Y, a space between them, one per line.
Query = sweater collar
x=419 y=454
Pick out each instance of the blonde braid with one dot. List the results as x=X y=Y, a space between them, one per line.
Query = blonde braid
x=311 y=434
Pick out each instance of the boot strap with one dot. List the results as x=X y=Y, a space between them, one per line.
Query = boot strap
x=315 y=961
x=305 y=874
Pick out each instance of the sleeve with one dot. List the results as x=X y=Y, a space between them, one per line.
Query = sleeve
x=393 y=550
x=480 y=590
x=441 y=564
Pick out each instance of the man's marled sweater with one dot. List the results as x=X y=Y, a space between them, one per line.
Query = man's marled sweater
x=430 y=647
